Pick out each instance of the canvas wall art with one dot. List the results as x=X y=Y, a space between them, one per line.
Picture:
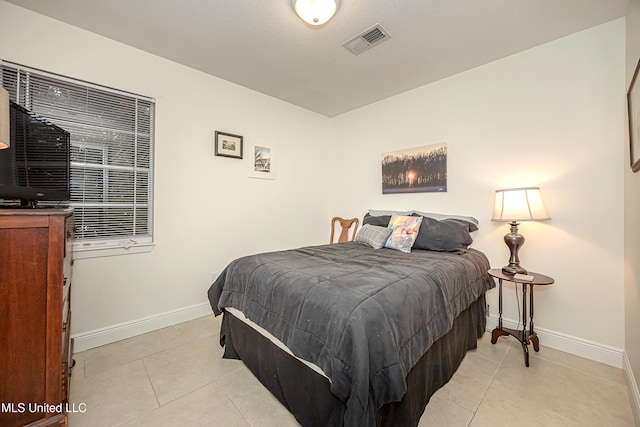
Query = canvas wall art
x=415 y=170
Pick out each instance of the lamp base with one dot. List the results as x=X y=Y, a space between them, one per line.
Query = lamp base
x=513 y=269
x=514 y=241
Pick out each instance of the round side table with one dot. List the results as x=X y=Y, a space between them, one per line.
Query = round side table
x=523 y=336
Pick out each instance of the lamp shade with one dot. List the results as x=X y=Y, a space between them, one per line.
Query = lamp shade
x=519 y=204
x=4 y=118
x=315 y=12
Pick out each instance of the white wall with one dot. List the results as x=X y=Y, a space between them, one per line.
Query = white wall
x=553 y=117
x=207 y=211
x=632 y=225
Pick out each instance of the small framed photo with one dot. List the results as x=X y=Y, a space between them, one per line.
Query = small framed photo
x=228 y=145
x=633 y=110
x=261 y=161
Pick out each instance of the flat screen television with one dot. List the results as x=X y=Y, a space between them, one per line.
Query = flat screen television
x=36 y=167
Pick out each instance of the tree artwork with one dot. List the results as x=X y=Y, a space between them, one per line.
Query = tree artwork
x=415 y=170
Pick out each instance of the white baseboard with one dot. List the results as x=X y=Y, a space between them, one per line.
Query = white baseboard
x=569 y=344
x=86 y=340
x=634 y=393
x=577 y=346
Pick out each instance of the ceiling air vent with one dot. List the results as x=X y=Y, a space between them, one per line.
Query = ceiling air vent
x=366 y=39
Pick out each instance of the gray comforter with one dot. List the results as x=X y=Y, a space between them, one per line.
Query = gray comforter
x=364 y=316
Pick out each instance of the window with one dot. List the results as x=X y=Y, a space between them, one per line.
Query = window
x=111 y=155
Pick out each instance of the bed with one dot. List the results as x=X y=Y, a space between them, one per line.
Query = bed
x=346 y=334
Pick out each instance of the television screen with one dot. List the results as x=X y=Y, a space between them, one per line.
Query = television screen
x=36 y=167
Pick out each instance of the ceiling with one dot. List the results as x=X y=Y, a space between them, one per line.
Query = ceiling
x=263 y=45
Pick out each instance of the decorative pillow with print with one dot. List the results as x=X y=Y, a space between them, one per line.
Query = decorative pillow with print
x=405 y=230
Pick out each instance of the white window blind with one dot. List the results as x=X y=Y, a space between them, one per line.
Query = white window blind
x=111 y=152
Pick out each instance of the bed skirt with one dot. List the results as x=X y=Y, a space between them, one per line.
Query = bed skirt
x=306 y=393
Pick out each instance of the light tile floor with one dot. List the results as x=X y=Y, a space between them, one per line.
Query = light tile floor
x=177 y=377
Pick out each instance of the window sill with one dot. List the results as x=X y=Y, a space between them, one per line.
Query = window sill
x=104 y=251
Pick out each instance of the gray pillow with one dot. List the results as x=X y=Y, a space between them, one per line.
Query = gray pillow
x=379 y=220
x=377 y=217
x=471 y=221
x=448 y=235
x=377 y=212
x=372 y=235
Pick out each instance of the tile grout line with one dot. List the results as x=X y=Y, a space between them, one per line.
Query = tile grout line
x=151 y=381
x=236 y=406
x=578 y=370
x=155 y=394
x=157 y=331
x=125 y=422
x=493 y=377
x=146 y=371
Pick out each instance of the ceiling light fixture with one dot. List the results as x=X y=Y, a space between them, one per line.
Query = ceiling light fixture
x=315 y=12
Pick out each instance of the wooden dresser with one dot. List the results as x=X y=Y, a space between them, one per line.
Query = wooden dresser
x=35 y=315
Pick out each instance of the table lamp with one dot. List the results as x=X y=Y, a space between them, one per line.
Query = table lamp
x=514 y=205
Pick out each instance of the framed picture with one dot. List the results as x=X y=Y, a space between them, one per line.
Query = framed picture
x=415 y=170
x=261 y=161
x=633 y=109
x=228 y=145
